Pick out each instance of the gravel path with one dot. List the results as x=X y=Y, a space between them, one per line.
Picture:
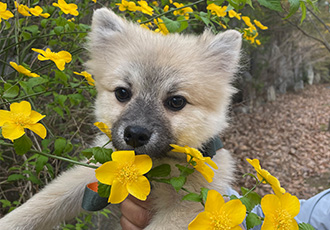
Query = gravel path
x=289 y=137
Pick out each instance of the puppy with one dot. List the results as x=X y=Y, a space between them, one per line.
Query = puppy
x=153 y=91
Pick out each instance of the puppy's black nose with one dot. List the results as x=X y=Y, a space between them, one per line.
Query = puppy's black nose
x=136 y=136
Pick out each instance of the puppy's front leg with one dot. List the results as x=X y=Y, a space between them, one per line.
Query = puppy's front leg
x=58 y=201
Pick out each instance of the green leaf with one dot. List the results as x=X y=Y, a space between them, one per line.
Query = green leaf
x=34 y=29
x=193 y=197
x=252 y=220
x=251 y=199
x=178 y=182
x=304 y=226
x=32 y=82
x=103 y=190
x=294 y=6
x=58 y=30
x=40 y=163
x=172 y=26
x=184 y=171
x=59 y=111
x=205 y=17
x=271 y=4
x=183 y=23
x=204 y=192
x=303 y=11
x=15 y=177
x=102 y=155
x=11 y=91
x=160 y=171
x=88 y=153
x=26 y=35
x=59 y=146
x=22 y=145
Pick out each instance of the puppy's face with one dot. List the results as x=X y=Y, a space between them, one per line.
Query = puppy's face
x=156 y=90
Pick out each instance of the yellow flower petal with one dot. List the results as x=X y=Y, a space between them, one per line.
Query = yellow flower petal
x=12 y=131
x=214 y=201
x=106 y=173
x=38 y=128
x=66 y=56
x=139 y=188
x=205 y=170
x=290 y=203
x=126 y=157
x=118 y=193
x=269 y=203
x=102 y=126
x=201 y=222
x=236 y=210
x=60 y=64
x=35 y=116
x=5 y=116
x=23 y=108
x=143 y=163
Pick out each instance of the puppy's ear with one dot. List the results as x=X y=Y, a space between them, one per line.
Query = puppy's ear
x=106 y=23
x=224 y=49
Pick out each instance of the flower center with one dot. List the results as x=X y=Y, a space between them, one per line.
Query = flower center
x=282 y=220
x=220 y=221
x=127 y=174
x=21 y=119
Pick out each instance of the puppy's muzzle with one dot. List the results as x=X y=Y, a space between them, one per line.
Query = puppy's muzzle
x=136 y=136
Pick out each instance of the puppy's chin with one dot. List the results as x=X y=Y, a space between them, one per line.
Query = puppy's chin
x=151 y=150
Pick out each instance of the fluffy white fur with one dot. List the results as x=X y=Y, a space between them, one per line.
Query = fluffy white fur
x=200 y=67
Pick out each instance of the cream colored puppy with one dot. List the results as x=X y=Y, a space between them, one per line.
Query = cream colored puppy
x=153 y=90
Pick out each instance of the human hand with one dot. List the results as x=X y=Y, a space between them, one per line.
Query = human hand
x=136 y=214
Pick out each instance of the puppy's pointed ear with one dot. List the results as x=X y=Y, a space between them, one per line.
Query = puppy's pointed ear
x=224 y=49
x=106 y=23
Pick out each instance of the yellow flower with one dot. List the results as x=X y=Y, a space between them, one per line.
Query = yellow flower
x=145 y=8
x=233 y=13
x=261 y=26
x=4 y=13
x=258 y=42
x=125 y=5
x=21 y=69
x=197 y=156
x=218 y=10
x=247 y=21
x=155 y=3
x=104 y=128
x=88 y=77
x=37 y=11
x=59 y=58
x=184 y=11
x=125 y=175
x=280 y=212
x=22 y=9
x=166 y=8
x=161 y=26
x=67 y=8
x=218 y=214
x=19 y=117
x=94 y=1
x=264 y=174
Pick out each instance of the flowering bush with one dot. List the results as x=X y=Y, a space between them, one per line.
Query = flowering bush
x=41 y=73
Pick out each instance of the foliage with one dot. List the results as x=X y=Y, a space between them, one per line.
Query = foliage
x=41 y=62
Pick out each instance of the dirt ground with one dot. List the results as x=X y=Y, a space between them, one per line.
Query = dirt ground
x=290 y=137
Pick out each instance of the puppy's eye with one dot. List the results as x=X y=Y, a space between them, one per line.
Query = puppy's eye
x=175 y=103
x=123 y=94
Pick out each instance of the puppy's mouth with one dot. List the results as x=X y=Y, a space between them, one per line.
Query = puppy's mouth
x=142 y=141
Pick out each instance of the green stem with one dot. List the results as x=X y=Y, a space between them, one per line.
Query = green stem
x=55 y=157
x=170 y=11
x=254 y=187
